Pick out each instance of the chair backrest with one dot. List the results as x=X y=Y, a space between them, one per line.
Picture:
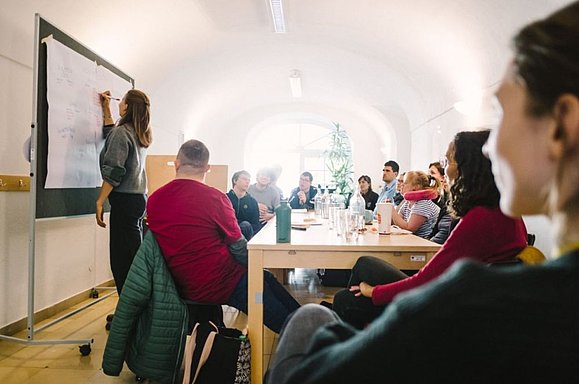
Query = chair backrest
x=203 y=312
x=531 y=255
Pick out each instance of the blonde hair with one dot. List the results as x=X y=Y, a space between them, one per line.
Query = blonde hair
x=423 y=180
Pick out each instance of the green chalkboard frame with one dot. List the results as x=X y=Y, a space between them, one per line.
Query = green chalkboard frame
x=65 y=202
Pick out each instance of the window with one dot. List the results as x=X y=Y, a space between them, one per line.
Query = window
x=296 y=147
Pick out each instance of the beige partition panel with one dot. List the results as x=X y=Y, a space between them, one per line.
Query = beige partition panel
x=161 y=170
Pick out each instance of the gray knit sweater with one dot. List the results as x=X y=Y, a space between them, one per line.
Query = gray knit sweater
x=268 y=196
x=122 y=160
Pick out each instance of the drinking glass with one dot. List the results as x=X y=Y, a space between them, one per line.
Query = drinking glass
x=355 y=223
x=332 y=216
x=343 y=223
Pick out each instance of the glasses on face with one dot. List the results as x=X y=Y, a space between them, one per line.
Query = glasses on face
x=443 y=161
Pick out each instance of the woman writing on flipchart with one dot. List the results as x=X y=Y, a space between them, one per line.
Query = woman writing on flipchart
x=122 y=165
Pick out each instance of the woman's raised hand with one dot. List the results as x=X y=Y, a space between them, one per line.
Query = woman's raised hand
x=364 y=289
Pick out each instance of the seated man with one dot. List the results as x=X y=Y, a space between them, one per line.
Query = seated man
x=389 y=176
x=244 y=205
x=301 y=197
x=275 y=174
x=266 y=195
x=198 y=234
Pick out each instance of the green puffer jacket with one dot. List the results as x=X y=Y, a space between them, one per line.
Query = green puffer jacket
x=150 y=324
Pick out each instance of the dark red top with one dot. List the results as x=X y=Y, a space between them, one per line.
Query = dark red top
x=483 y=234
x=194 y=224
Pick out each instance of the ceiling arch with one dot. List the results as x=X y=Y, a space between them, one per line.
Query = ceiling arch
x=206 y=63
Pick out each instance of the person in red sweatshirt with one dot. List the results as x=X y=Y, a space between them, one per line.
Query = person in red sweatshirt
x=197 y=230
x=483 y=234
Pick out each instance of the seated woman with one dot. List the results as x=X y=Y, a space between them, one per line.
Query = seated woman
x=398 y=198
x=419 y=214
x=444 y=222
x=370 y=197
x=483 y=234
x=436 y=170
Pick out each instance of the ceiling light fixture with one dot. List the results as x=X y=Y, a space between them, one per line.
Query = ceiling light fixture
x=295 y=80
x=277 y=16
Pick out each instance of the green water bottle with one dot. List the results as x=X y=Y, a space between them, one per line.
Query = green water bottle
x=283 y=217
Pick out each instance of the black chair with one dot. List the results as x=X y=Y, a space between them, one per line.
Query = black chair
x=203 y=312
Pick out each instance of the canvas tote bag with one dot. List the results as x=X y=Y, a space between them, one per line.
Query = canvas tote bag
x=216 y=355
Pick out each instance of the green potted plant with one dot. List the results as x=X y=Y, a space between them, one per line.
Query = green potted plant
x=339 y=160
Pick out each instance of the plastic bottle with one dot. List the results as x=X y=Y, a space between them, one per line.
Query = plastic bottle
x=357 y=206
x=326 y=204
x=283 y=215
x=318 y=204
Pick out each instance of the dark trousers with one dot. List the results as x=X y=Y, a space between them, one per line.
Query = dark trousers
x=278 y=303
x=359 y=311
x=126 y=233
x=246 y=229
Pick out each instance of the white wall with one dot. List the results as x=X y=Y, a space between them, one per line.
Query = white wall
x=71 y=254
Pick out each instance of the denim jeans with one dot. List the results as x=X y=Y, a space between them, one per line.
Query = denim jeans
x=277 y=302
x=246 y=229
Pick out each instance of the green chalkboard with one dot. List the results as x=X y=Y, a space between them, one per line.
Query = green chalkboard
x=63 y=202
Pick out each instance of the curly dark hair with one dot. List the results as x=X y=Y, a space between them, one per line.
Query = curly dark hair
x=475 y=185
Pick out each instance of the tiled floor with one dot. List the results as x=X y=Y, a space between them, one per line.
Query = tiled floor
x=64 y=364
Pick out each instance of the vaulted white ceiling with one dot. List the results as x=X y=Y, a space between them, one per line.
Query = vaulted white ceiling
x=217 y=63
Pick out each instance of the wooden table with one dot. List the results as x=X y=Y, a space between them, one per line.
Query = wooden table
x=319 y=247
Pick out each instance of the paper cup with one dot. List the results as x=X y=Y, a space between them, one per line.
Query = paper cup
x=384 y=216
